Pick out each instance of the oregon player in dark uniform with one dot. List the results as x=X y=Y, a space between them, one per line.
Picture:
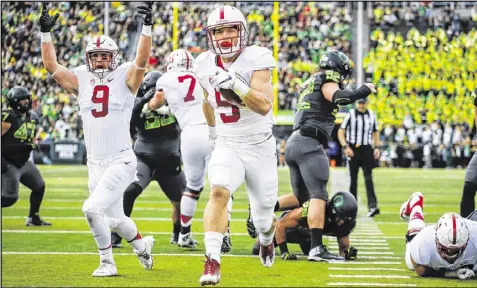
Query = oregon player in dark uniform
x=292 y=225
x=305 y=149
x=18 y=132
x=158 y=157
x=467 y=204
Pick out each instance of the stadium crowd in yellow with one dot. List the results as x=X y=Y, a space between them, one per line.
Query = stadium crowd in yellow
x=419 y=71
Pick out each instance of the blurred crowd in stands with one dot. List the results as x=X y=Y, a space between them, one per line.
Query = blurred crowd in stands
x=422 y=57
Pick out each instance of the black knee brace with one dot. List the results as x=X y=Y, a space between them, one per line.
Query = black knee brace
x=8 y=201
x=195 y=194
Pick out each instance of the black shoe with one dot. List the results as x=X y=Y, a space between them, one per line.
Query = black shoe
x=321 y=253
x=252 y=232
x=36 y=221
x=226 y=244
x=256 y=248
x=116 y=240
x=373 y=212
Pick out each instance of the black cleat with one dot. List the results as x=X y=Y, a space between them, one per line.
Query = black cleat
x=36 y=221
x=321 y=253
x=252 y=232
x=373 y=212
x=116 y=240
x=226 y=244
x=256 y=248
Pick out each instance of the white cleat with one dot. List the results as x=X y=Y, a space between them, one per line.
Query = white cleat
x=186 y=241
x=145 y=259
x=416 y=199
x=107 y=268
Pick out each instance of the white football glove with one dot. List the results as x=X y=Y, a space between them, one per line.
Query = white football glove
x=228 y=80
x=461 y=273
x=212 y=137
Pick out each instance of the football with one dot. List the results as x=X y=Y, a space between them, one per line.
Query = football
x=230 y=96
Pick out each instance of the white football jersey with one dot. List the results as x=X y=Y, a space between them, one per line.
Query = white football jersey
x=238 y=124
x=184 y=96
x=106 y=109
x=423 y=249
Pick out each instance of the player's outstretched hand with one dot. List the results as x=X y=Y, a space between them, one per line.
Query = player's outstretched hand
x=288 y=256
x=371 y=87
x=46 y=22
x=351 y=253
x=146 y=13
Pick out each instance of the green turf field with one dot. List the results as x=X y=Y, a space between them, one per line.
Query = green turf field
x=65 y=254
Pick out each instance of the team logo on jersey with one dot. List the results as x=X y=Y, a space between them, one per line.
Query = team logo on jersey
x=92 y=81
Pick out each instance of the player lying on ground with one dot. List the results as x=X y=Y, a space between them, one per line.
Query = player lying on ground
x=446 y=249
x=292 y=225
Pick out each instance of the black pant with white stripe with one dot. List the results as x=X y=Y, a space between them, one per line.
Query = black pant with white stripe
x=364 y=158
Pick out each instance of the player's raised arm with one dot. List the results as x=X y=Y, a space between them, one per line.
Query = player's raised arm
x=137 y=70
x=61 y=74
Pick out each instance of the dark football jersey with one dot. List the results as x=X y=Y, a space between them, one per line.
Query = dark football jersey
x=17 y=143
x=331 y=228
x=312 y=107
x=155 y=134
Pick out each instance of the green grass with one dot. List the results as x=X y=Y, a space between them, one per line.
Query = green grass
x=67 y=189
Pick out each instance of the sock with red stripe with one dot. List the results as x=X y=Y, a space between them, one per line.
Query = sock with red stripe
x=99 y=226
x=416 y=220
x=188 y=206
x=138 y=244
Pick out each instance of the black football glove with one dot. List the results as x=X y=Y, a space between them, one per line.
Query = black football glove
x=146 y=13
x=46 y=22
x=351 y=253
x=288 y=256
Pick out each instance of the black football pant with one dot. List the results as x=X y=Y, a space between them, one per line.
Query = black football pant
x=364 y=158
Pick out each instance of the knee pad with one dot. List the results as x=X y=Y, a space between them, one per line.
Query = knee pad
x=194 y=194
x=262 y=225
x=8 y=201
x=91 y=208
x=39 y=192
x=411 y=234
x=134 y=190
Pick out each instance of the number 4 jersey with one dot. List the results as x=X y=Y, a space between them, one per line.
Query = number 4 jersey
x=17 y=143
x=237 y=124
x=105 y=107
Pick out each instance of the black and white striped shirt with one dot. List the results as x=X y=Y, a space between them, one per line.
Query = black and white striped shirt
x=360 y=127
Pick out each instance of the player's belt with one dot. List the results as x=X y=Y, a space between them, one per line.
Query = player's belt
x=310 y=131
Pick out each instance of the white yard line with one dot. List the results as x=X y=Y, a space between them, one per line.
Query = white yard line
x=89 y=232
x=122 y=254
x=370 y=276
x=370 y=263
x=366 y=269
x=370 y=284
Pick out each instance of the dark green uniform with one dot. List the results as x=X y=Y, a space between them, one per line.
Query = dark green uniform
x=17 y=145
x=305 y=149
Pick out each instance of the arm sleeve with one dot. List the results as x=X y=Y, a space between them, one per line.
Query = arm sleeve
x=376 y=125
x=345 y=123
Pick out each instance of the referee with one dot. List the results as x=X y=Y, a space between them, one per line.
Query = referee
x=358 y=135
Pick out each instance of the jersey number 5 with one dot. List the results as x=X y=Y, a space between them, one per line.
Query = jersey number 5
x=102 y=90
x=189 y=96
x=235 y=110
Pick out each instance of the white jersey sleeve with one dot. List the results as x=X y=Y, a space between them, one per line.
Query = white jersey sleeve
x=184 y=96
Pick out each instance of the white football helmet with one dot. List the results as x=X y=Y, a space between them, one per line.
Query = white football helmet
x=227 y=16
x=452 y=236
x=102 y=43
x=180 y=60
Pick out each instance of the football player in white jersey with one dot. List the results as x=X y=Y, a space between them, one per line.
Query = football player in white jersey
x=184 y=96
x=105 y=91
x=244 y=146
x=446 y=249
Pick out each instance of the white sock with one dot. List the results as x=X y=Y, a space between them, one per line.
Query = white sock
x=213 y=244
x=267 y=238
x=416 y=220
x=106 y=254
x=229 y=208
x=188 y=206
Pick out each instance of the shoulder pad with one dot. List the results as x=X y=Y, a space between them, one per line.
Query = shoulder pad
x=7 y=115
x=260 y=57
